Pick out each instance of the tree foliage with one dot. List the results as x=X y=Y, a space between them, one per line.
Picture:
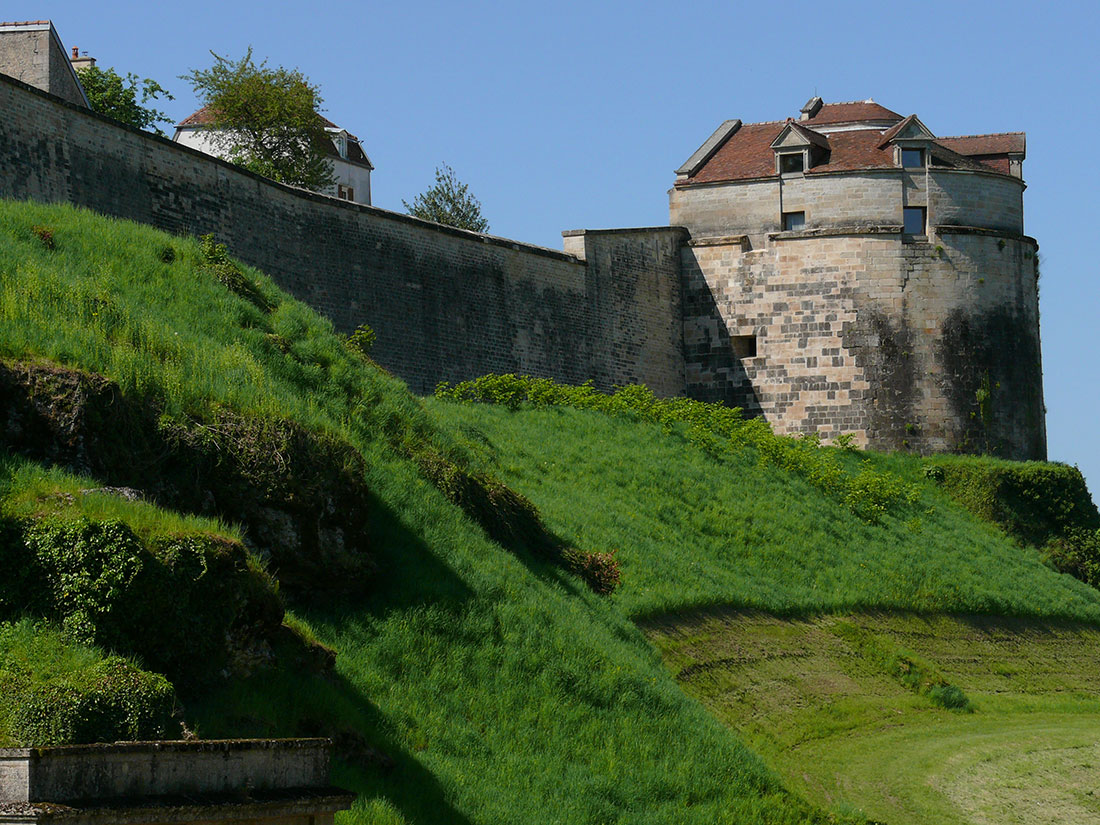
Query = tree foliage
x=116 y=96
x=449 y=202
x=266 y=120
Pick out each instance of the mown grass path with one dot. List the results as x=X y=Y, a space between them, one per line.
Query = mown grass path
x=852 y=738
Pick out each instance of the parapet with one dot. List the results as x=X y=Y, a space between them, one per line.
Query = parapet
x=256 y=780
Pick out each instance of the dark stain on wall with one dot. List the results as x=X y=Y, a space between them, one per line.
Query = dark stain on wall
x=883 y=348
x=992 y=376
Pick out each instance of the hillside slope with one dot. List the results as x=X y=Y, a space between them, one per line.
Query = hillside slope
x=472 y=683
x=155 y=395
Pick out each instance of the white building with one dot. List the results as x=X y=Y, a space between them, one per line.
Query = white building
x=351 y=167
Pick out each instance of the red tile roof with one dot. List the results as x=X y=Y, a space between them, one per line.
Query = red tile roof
x=748 y=154
x=854 y=112
x=974 y=145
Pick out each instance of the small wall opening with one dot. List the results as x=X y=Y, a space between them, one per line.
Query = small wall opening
x=794 y=221
x=744 y=346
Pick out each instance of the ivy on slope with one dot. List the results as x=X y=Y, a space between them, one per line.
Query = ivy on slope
x=715 y=428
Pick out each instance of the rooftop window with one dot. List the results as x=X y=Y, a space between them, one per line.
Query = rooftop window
x=912 y=158
x=791 y=163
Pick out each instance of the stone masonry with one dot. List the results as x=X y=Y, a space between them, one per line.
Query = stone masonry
x=809 y=301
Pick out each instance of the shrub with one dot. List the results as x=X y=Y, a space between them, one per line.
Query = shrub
x=179 y=603
x=362 y=340
x=513 y=521
x=55 y=692
x=1076 y=553
x=1034 y=502
x=217 y=262
x=600 y=571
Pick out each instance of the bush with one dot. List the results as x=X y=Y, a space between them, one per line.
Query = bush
x=513 y=521
x=362 y=340
x=1034 y=502
x=179 y=603
x=45 y=236
x=55 y=692
x=1076 y=553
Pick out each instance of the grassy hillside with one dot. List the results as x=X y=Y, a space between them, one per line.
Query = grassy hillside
x=162 y=403
x=473 y=683
x=694 y=528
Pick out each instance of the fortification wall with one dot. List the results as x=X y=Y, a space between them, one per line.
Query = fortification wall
x=446 y=304
x=928 y=346
x=635 y=293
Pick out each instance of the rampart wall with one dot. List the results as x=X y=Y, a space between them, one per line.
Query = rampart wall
x=446 y=304
x=930 y=346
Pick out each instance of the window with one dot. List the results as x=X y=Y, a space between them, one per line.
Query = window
x=914 y=220
x=912 y=158
x=345 y=193
x=793 y=221
x=744 y=346
x=791 y=163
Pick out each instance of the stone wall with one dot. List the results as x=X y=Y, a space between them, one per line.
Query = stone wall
x=928 y=345
x=634 y=291
x=266 y=782
x=446 y=304
x=755 y=208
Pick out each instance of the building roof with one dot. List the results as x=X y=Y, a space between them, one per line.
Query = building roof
x=856 y=111
x=204 y=117
x=747 y=152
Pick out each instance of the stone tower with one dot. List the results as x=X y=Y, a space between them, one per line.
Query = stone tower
x=850 y=272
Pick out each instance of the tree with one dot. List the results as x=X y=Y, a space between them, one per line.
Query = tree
x=117 y=97
x=449 y=202
x=266 y=120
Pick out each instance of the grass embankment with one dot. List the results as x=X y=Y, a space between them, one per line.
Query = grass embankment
x=848 y=706
x=474 y=683
x=695 y=528
x=852 y=736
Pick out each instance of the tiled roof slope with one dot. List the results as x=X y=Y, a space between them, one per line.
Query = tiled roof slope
x=855 y=112
x=748 y=154
x=978 y=145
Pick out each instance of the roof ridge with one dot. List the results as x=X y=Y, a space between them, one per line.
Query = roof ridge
x=849 y=102
x=986 y=134
x=767 y=122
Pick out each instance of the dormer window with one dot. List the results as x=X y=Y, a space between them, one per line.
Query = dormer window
x=912 y=158
x=790 y=163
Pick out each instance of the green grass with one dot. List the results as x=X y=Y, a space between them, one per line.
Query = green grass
x=499 y=686
x=692 y=530
x=31 y=490
x=851 y=737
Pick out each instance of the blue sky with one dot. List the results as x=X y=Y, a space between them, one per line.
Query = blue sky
x=575 y=114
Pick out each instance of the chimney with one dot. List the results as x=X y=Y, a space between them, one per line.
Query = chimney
x=81 y=61
x=812 y=107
